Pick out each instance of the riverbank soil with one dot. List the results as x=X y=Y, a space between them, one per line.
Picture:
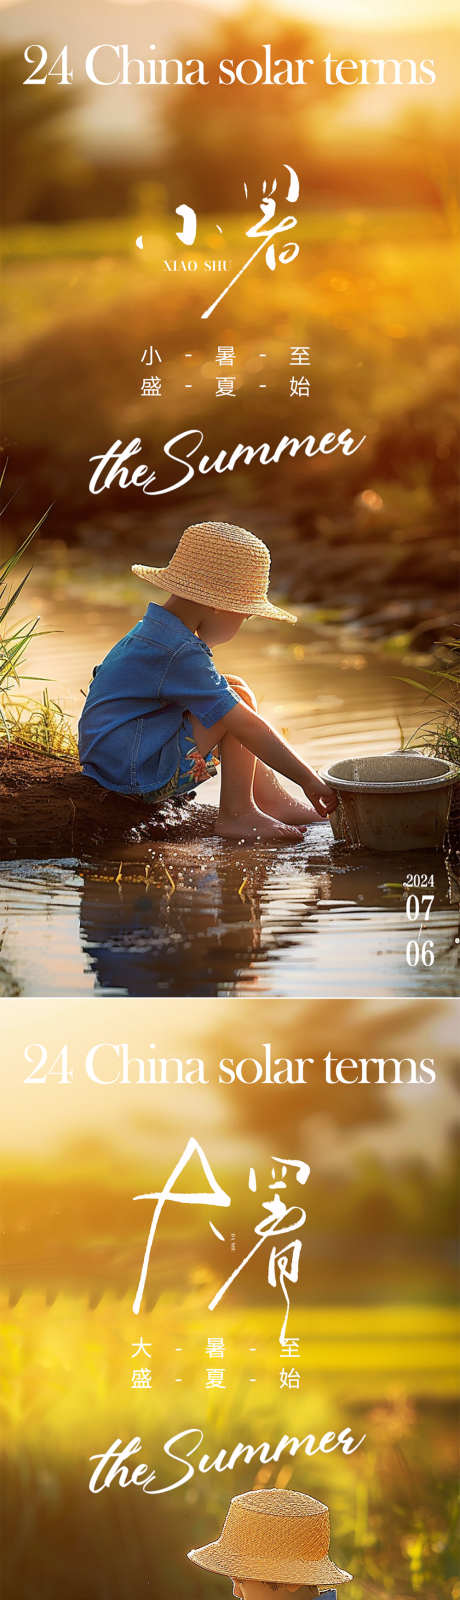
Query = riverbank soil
x=49 y=808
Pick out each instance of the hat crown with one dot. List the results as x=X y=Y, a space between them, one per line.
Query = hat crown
x=203 y=533
x=280 y=1502
x=292 y=1523
x=228 y=562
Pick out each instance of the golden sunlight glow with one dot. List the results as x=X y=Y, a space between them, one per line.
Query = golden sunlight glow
x=359 y=13
x=373 y=14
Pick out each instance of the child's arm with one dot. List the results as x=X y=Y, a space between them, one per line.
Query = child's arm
x=257 y=736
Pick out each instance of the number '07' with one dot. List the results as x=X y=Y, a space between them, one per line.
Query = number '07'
x=59 y=68
x=36 y=1056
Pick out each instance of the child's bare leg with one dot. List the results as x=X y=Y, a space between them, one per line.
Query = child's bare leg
x=239 y=812
x=239 y=816
x=269 y=791
x=271 y=795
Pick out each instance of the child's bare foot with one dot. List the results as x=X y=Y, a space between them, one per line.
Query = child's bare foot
x=254 y=824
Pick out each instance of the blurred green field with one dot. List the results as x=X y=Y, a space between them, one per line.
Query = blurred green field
x=354 y=1350
x=386 y=1372
x=383 y=250
x=374 y=1310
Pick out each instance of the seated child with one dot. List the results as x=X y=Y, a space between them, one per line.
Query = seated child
x=280 y=1539
x=158 y=713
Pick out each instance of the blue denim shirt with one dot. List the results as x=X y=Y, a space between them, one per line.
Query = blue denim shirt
x=129 y=728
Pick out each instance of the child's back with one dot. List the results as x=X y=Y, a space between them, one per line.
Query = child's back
x=129 y=728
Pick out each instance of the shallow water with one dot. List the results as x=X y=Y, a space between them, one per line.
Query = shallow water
x=209 y=918
x=307 y=921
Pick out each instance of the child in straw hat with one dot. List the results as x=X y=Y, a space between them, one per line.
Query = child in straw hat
x=158 y=713
x=280 y=1539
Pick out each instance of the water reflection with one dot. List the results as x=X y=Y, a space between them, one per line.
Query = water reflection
x=172 y=925
x=202 y=918
x=310 y=919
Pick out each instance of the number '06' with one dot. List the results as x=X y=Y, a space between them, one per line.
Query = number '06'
x=59 y=68
x=36 y=1056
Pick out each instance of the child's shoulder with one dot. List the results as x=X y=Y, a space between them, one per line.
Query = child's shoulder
x=167 y=631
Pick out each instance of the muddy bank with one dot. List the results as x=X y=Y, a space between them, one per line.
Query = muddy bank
x=48 y=808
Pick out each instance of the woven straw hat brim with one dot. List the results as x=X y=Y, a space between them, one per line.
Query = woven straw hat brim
x=163 y=578
x=218 y=1558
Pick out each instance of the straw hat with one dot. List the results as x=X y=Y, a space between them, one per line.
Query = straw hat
x=217 y=564
x=274 y=1535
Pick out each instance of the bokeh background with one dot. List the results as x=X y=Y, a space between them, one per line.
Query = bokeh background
x=373 y=292
x=374 y=1308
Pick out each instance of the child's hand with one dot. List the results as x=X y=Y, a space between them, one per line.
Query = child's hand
x=324 y=799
